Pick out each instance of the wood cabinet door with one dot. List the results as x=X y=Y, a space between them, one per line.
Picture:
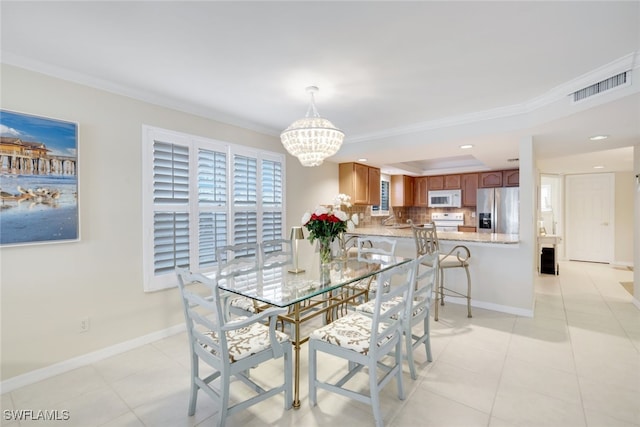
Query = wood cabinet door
x=374 y=186
x=452 y=182
x=409 y=190
x=361 y=184
x=511 y=178
x=421 y=189
x=469 y=189
x=436 y=182
x=490 y=179
x=401 y=190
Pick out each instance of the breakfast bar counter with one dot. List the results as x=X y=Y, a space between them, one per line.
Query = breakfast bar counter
x=501 y=279
x=404 y=231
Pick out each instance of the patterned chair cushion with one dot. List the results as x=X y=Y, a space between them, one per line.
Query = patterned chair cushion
x=363 y=284
x=246 y=341
x=368 y=306
x=352 y=332
x=243 y=303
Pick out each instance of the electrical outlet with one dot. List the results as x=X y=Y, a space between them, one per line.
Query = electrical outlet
x=84 y=325
x=473 y=214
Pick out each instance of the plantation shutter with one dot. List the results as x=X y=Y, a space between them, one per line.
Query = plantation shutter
x=171 y=201
x=245 y=199
x=271 y=199
x=212 y=201
x=201 y=194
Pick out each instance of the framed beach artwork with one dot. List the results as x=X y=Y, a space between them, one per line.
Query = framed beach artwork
x=38 y=180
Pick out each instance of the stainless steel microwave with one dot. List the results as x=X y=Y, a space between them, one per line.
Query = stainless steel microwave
x=445 y=198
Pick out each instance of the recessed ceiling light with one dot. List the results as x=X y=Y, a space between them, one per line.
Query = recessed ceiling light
x=362 y=160
x=466 y=146
x=598 y=167
x=599 y=137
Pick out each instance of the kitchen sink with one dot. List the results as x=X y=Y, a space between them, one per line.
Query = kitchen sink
x=398 y=226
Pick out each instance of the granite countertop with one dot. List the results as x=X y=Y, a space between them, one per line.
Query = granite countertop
x=455 y=236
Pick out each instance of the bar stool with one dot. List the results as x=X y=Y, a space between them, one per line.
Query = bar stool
x=426 y=239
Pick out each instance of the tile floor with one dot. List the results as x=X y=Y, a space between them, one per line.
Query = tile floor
x=576 y=363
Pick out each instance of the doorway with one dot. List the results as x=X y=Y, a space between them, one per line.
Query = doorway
x=590 y=209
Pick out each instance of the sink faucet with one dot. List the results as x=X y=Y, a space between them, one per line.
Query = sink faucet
x=385 y=221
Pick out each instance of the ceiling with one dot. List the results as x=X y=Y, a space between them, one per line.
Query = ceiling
x=408 y=82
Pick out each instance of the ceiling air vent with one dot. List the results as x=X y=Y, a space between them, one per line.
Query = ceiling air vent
x=603 y=86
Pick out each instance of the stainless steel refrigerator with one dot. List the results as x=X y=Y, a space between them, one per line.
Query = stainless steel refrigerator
x=498 y=210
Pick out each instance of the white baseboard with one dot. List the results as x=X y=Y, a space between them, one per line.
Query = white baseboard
x=622 y=263
x=490 y=306
x=84 y=360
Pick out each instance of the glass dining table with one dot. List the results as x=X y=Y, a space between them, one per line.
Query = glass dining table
x=315 y=293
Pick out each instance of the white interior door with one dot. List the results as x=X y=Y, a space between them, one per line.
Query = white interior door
x=590 y=214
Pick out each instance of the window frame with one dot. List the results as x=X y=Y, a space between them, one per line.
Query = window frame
x=151 y=134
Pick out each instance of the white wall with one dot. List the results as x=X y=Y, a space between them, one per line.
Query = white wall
x=624 y=218
x=47 y=289
x=636 y=215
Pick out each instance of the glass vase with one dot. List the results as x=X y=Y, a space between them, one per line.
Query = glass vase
x=324 y=249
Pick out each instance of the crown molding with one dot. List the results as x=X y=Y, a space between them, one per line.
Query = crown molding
x=628 y=62
x=129 y=92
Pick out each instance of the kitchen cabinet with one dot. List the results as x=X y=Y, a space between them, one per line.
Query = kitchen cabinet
x=374 y=186
x=436 y=182
x=402 y=190
x=490 y=179
x=511 y=178
x=361 y=182
x=421 y=189
x=452 y=182
x=469 y=189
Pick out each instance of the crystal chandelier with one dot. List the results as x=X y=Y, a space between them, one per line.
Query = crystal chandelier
x=313 y=138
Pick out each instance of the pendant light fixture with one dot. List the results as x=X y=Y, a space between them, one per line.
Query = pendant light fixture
x=312 y=138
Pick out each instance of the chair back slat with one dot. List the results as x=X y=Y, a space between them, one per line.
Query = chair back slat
x=235 y=259
x=276 y=252
x=375 y=245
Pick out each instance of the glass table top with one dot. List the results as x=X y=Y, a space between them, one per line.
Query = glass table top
x=280 y=288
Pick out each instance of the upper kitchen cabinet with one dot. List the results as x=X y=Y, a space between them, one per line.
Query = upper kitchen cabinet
x=511 y=178
x=436 y=182
x=452 y=182
x=361 y=182
x=444 y=182
x=469 y=189
x=402 y=190
x=490 y=179
x=421 y=191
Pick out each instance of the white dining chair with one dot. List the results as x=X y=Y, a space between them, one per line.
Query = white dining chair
x=232 y=260
x=418 y=312
x=276 y=252
x=426 y=240
x=231 y=348
x=367 y=248
x=365 y=341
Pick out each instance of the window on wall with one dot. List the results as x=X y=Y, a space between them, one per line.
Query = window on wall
x=383 y=207
x=201 y=194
